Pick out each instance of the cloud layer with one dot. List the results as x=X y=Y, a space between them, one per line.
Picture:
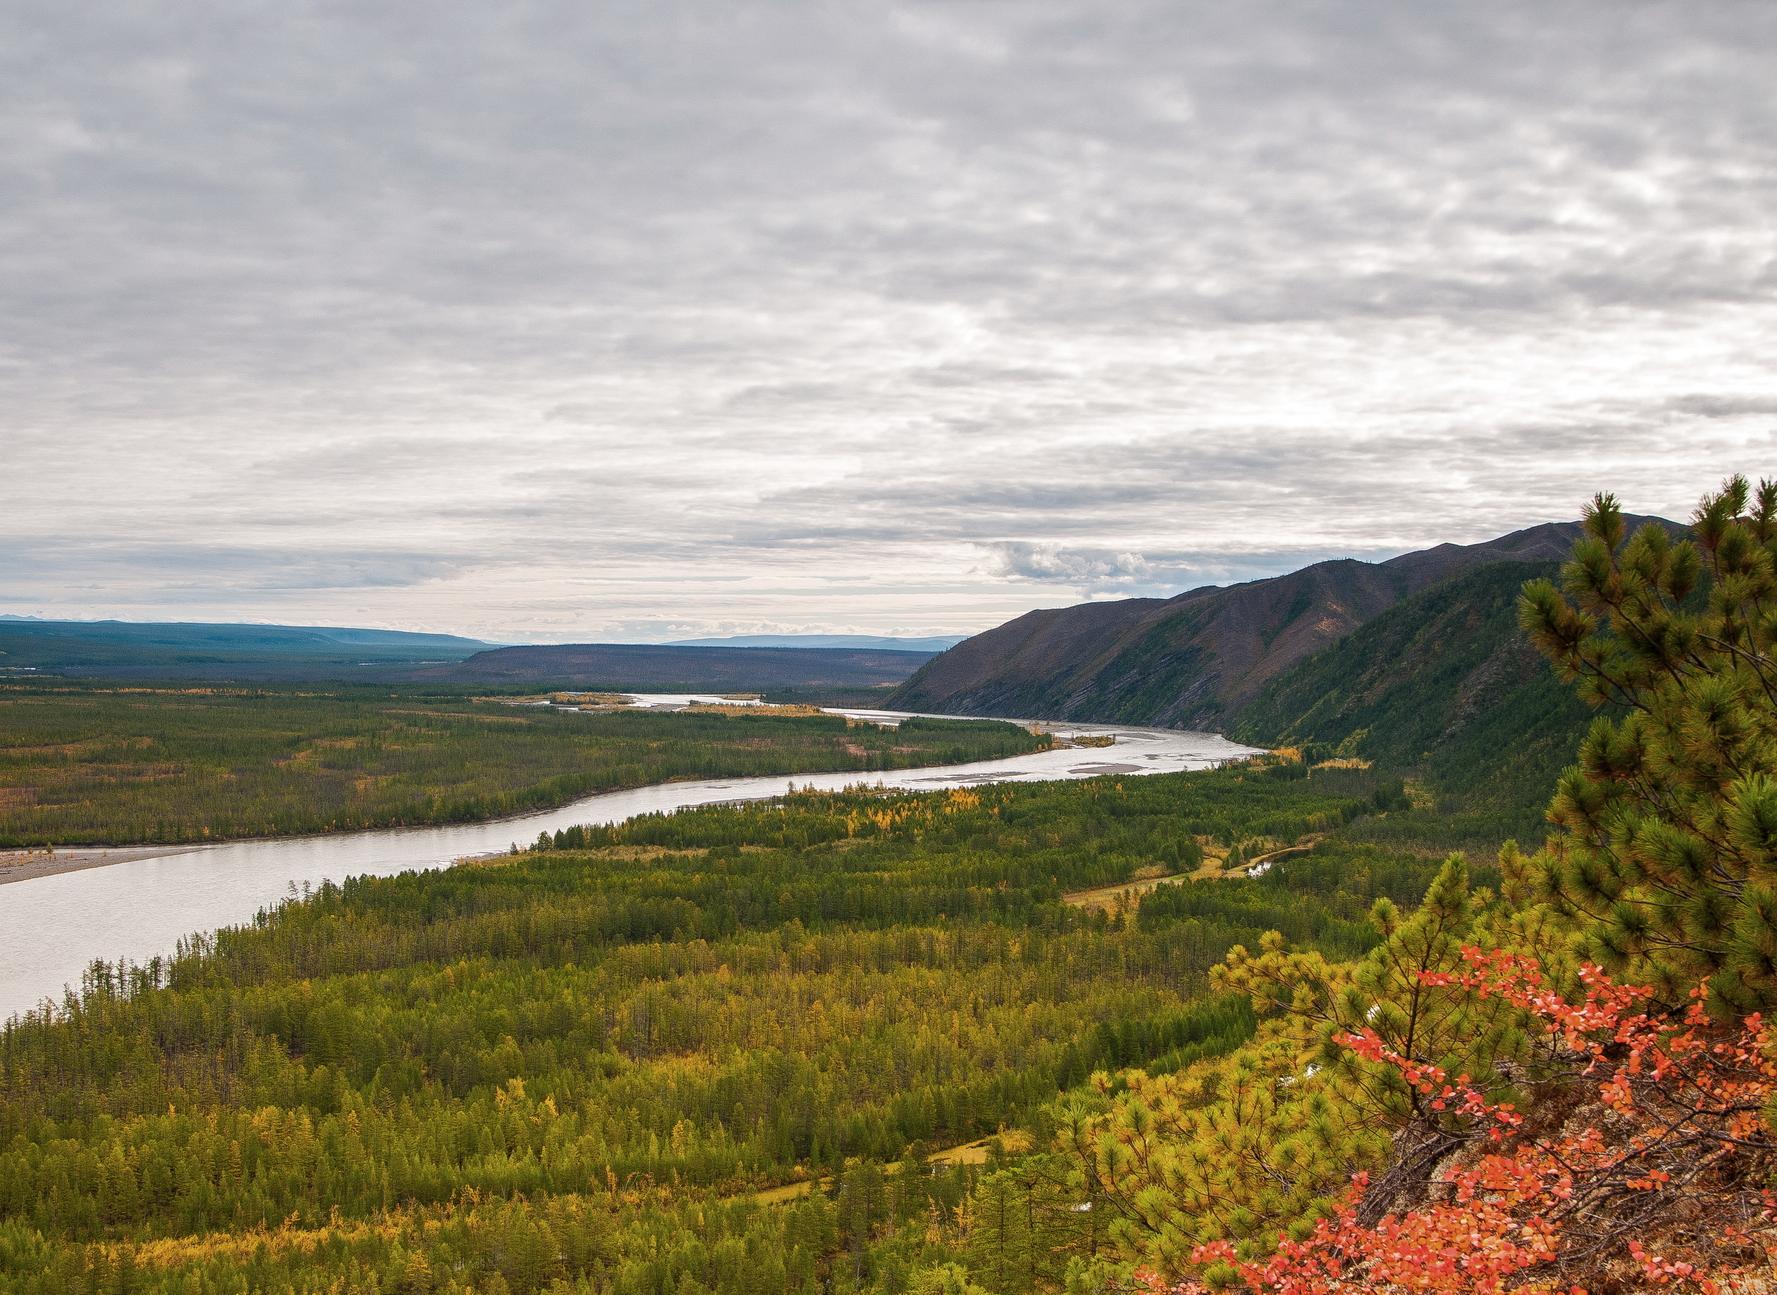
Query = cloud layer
x=635 y=321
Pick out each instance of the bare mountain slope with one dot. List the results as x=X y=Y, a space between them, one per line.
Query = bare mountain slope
x=1193 y=660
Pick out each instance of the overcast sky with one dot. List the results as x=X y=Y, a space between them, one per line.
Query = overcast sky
x=630 y=321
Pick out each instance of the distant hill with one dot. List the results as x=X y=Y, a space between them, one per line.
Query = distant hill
x=659 y=667
x=1200 y=658
x=192 y=650
x=314 y=653
x=882 y=643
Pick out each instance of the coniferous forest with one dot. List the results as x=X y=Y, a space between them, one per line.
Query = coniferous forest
x=1283 y=1026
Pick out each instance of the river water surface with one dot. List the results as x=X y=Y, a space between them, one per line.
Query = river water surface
x=52 y=927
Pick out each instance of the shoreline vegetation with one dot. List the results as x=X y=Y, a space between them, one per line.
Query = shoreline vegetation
x=31 y=863
x=20 y=863
x=89 y=768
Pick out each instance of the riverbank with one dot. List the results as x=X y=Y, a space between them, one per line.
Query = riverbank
x=28 y=865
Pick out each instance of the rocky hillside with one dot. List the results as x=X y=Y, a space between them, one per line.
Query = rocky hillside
x=1199 y=659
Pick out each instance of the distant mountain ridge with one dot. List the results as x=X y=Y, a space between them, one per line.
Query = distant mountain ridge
x=234 y=634
x=930 y=646
x=215 y=650
x=245 y=653
x=663 y=668
x=1198 y=659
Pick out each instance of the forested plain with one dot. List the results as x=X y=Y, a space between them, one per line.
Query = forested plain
x=581 y=1063
x=1337 y=1037
x=97 y=765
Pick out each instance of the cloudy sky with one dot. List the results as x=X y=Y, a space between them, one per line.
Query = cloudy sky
x=636 y=320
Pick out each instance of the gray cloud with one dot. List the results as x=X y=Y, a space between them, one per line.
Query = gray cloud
x=1087 y=569
x=1100 y=572
x=204 y=570
x=596 y=318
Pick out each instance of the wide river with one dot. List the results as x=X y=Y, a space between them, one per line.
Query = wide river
x=52 y=927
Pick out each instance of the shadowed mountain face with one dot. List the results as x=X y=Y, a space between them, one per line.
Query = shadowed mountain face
x=1195 y=660
x=1443 y=683
x=647 y=667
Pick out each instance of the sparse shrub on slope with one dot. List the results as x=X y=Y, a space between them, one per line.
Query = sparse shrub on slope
x=1644 y=1162
x=1265 y=1141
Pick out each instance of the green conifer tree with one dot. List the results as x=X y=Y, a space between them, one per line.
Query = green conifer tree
x=1665 y=849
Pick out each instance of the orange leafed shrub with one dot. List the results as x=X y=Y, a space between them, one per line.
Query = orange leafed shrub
x=1641 y=1162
